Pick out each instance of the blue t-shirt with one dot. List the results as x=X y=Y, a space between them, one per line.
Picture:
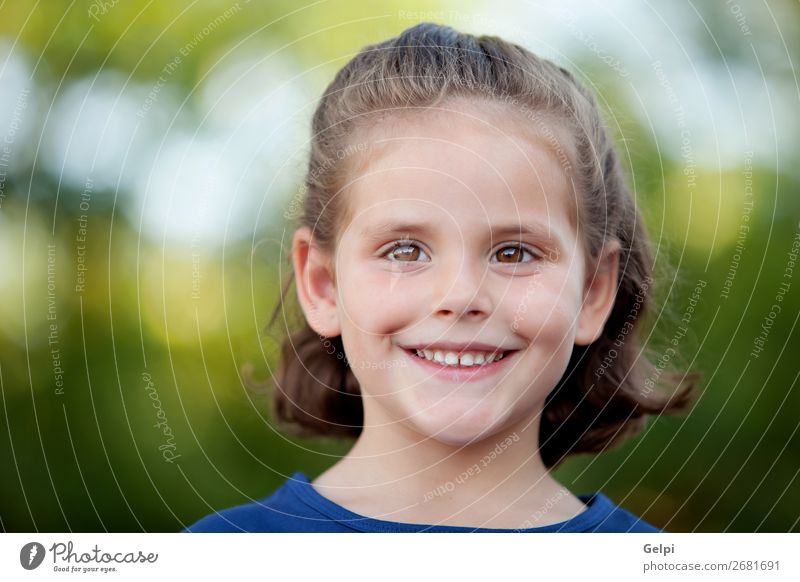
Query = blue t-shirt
x=297 y=507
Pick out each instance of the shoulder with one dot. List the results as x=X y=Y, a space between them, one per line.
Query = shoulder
x=242 y=518
x=612 y=518
x=277 y=512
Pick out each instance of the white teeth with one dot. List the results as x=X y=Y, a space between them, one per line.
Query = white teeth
x=467 y=359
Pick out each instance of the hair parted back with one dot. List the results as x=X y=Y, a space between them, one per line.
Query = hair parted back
x=316 y=393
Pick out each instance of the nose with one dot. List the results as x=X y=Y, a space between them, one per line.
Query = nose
x=461 y=287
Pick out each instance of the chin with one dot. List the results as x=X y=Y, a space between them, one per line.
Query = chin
x=457 y=428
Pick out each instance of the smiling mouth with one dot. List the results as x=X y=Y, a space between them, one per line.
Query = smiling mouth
x=464 y=361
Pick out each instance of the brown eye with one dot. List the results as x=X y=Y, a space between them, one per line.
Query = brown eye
x=512 y=254
x=404 y=252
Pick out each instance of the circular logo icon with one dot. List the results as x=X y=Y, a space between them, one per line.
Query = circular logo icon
x=31 y=555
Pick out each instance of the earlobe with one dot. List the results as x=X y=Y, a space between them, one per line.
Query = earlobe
x=600 y=293
x=316 y=287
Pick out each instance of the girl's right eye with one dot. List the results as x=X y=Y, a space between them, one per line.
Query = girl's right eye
x=403 y=251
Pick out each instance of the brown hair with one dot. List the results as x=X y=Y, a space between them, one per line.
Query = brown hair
x=605 y=394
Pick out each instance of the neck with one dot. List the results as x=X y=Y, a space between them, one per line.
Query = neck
x=399 y=473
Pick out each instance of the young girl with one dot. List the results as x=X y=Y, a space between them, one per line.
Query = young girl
x=472 y=269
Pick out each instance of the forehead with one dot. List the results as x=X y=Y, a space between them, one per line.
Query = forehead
x=464 y=165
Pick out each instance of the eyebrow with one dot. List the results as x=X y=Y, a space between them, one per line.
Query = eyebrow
x=395 y=227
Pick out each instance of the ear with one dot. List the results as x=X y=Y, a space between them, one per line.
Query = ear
x=316 y=284
x=600 y=293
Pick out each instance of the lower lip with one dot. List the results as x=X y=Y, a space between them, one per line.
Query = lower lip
x=456 y=374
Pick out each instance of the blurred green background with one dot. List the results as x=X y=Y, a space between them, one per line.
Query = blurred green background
x=149 y=155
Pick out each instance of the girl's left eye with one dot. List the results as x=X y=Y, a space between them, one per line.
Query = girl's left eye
x=515 y=251
x=405 y=251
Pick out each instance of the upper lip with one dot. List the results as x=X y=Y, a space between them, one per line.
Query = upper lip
x=457 y=347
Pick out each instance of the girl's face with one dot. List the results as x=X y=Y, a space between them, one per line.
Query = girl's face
x=460 y=233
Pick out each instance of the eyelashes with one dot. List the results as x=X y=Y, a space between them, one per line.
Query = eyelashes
x=413 y=250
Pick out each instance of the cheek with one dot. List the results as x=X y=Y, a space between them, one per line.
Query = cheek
x=541 y=309
x=375 y=297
